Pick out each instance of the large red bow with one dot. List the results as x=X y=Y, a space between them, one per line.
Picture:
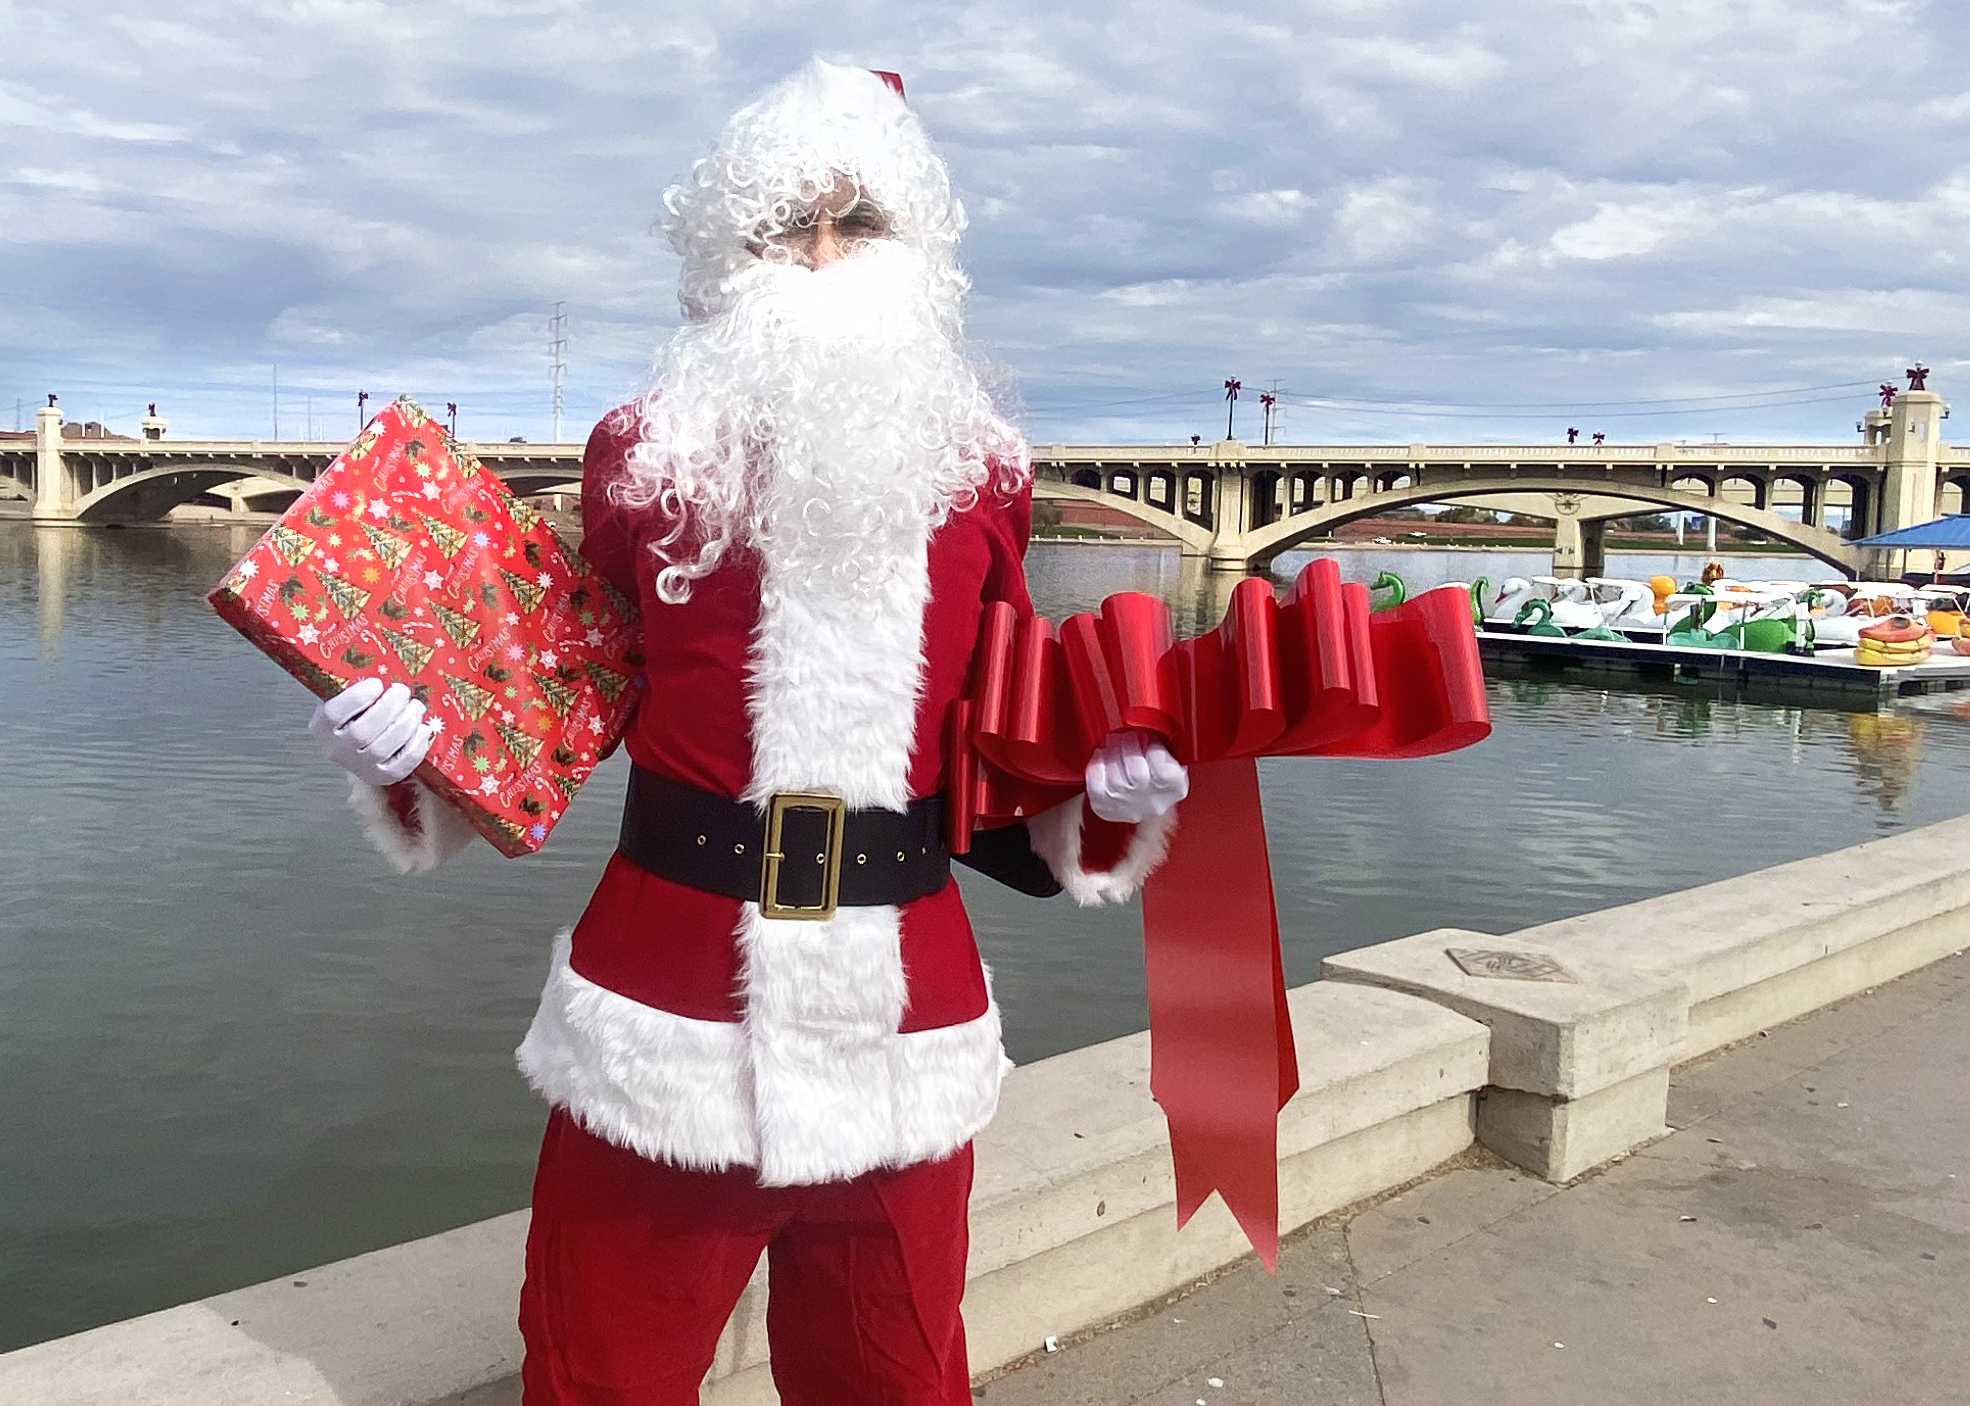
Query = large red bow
x=1315 y=675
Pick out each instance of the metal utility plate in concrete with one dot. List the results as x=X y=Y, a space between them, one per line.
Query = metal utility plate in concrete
x=1508 y=966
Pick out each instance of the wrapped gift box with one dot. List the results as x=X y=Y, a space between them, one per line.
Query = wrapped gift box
x=408 y=561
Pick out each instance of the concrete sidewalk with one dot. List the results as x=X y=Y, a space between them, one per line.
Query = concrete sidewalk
x=1802 y=1238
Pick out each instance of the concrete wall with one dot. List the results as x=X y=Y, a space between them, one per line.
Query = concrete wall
x=1559 y=1061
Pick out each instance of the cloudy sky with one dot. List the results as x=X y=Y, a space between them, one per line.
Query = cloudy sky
x=1425 y=221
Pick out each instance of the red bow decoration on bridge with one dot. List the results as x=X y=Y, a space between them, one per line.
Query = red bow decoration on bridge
x=1314 y=675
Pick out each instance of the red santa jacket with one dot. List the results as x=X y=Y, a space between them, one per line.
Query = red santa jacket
x=685 y=1026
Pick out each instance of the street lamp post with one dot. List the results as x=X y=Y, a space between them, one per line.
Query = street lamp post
x=362 y=415
x=1231 y=389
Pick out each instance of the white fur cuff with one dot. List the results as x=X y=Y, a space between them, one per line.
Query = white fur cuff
x=441 y=831
x=1056 y=837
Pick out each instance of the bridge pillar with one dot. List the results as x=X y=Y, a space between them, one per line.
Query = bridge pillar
x=1232 y=520
x=54 y=489
x=1579 y=548
x=1908 y=489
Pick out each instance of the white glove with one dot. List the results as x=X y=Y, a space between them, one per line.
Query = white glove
x=376 y=734
x=1130 y=779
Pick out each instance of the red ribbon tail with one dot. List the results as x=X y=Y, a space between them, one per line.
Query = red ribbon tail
x=1222 y=1062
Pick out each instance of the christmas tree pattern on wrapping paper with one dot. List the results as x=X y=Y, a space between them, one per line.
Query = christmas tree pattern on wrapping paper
x=462 y=629
x=607 y=682
x=558 y=695
x=348 y=599
x=416 y=656
x=615 y=598
x=293 y=546
x=521 y=747
x=567 y=786
x=392 y=550
x=524 y=591
x=472 y=700
x=449 y=540
x=524 y=516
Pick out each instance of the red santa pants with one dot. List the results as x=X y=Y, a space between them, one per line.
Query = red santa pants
x=633 y=1267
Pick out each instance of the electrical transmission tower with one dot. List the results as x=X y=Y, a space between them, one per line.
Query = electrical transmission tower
x=557 y=346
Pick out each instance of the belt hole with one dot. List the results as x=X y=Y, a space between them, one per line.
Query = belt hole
x=899 y=856
x=738 y=849
x=861 y=859
x=701 y=839
x=821 y=858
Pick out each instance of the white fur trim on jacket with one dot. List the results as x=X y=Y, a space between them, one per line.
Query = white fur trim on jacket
x=1056 y=838
x=441 y=833
x=679 y=1090
x=668 y=1087
x=835 y=673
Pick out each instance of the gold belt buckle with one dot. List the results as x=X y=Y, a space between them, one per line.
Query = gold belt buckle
x=769 y=875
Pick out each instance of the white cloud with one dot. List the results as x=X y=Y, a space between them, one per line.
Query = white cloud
x=1623 y=231
x=1270 y=207
x=1379 y=221
x=1947 y=109
x=1901 y=312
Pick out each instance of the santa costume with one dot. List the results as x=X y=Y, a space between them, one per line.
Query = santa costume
x=812 y=507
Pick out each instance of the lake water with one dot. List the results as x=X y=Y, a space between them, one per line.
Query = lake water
x=236 y=1046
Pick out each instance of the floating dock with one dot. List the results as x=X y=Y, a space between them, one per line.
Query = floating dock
x=1828 y=671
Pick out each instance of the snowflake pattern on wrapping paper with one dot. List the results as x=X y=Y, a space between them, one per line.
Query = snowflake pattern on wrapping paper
x=430 y=602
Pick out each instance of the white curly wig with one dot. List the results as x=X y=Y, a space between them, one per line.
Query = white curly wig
x=826 y=413
x=820 y=129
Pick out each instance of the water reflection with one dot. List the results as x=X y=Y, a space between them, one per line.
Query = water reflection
x=1887 y=751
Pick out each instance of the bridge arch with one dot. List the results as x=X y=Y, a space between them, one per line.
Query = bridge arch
x=1809 y=494
x=1760 y=494
x=1195 y=537
x=528 y=483
x=1860 y=509
x=1282 y=536
x=1202 y=486
x=1264 y=506
x=151 y=493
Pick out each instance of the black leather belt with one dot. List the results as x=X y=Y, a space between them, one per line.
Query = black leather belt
x=803 y=857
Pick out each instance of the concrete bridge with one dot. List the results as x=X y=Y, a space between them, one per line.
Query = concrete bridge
x=1239 y=505
x=101 y=481
x=1236 y=505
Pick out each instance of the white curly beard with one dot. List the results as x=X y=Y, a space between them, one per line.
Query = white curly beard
x=829 y=419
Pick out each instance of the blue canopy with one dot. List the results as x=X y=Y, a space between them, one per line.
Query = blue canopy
x=1952 y=531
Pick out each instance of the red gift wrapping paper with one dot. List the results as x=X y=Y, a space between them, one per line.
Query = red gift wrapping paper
x=408 y=561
